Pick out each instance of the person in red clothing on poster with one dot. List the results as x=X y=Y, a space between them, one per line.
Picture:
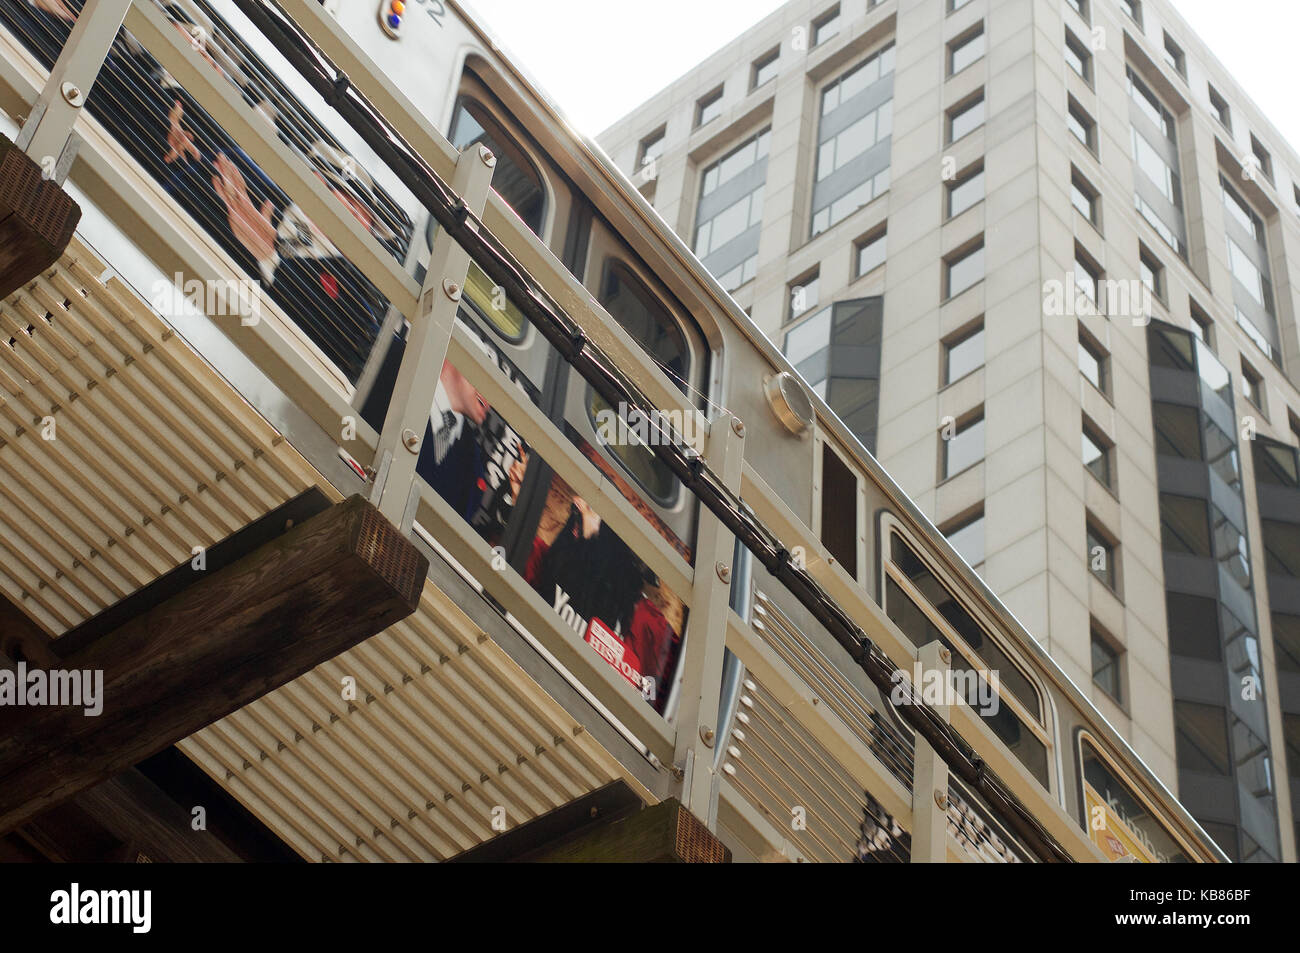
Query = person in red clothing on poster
x=590 y=571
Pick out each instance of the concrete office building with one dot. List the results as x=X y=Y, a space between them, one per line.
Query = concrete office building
x=1042 y=257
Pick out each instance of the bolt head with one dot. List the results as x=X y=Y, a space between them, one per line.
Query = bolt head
x=72 y=93
x=451 y=289
x=486 y=155
x=941 y=799
x=706 y=735
x=945 y=655
x=410 y=440
x=738 y=426
x=724 y=572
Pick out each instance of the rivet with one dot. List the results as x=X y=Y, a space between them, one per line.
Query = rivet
x=941 y=799
x=410 y=441
x=706 y=735
x=451 y=289
x=724 y=572
x=73 y=95
x=738 y=426
x=486 y=155
x=945 y=655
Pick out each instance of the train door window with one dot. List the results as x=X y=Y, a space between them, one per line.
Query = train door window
x=926 y=609
x=1118 y=820
x=839 y=510
x=515 y=178
x=652 y=326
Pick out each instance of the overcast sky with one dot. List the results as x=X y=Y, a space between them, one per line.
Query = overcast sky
x=598 y=59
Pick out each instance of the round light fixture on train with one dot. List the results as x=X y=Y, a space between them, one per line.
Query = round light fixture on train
x=789 y=400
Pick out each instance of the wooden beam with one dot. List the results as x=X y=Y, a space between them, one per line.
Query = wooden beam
x=227 y=639
x=37 y=219
x=609 y=825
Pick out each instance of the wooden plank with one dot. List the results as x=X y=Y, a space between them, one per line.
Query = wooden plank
x=37 y=219
x=230 y=637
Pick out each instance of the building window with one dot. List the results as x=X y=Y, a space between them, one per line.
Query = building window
x=826 y=26
x=837 y=350
x=1097 y=454
x=853 y=140
x=966 y=535
x=965 y=190
x=652 y=147
x=1157 y=192
x=1080 y=7
x=1252 y=388
x=1174 y=56
x=963 y=353
x=1106 y=666
x=965 y=50
x=1078 y=57
x=1221 y=110
x=1252 y=285
x=964 y=269
x=1081 y=125
x=1087 y=277
x=1134 y=10
x=870 y=253
x=1094 y=362
x=965 y=447
x=764 y=68
x=1262 y=157
x=1084 y=197
x=517 y=180
x=1151 y=272
x=1185 y=526
x=729 y=216
x=1101 y=556
x=803 y=294
x=1202 y=324
x=955 y=5
x=926 y=609
x=708 y=108
x=966 y=117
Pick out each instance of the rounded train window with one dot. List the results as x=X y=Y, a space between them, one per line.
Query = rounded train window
x=648 y=321
x=515 y=178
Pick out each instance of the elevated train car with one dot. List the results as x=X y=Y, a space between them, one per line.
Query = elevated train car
x=528 y=494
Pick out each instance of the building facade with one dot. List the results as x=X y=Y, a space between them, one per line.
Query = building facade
x=1040 y=256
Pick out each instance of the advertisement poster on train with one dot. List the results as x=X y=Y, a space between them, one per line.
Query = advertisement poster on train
x=606 y=593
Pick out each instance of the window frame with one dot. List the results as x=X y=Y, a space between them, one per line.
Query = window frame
x=956 y=257
x=964 y=177
x=1175 y=57
x=1042 y=725
x=1116 y=653
x=1079 y=49
x=1094 y=530
x=876 y=235
x=956 y=339
x=961 y=108
x=961 y=425
x=961 y=42
x=1092 y=433
x=704 y=102
x=771 y=57
x=819 y=23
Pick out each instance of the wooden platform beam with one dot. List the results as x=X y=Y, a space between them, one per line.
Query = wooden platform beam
x=37 y=219
x=229 y=637
x=609 y=825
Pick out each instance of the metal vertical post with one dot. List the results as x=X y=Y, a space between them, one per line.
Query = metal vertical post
x=929 y=773
x=47 y=132
x=426 y=348
x=706 y=641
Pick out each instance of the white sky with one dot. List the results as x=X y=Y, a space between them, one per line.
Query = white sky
x=598 y=59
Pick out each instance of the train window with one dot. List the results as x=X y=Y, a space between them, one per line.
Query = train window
x=926 y=610
x=491 y=303
x=644 y=317
x=515 y=178
x=1119 y=822
x=648 y=321
x=839 y=503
